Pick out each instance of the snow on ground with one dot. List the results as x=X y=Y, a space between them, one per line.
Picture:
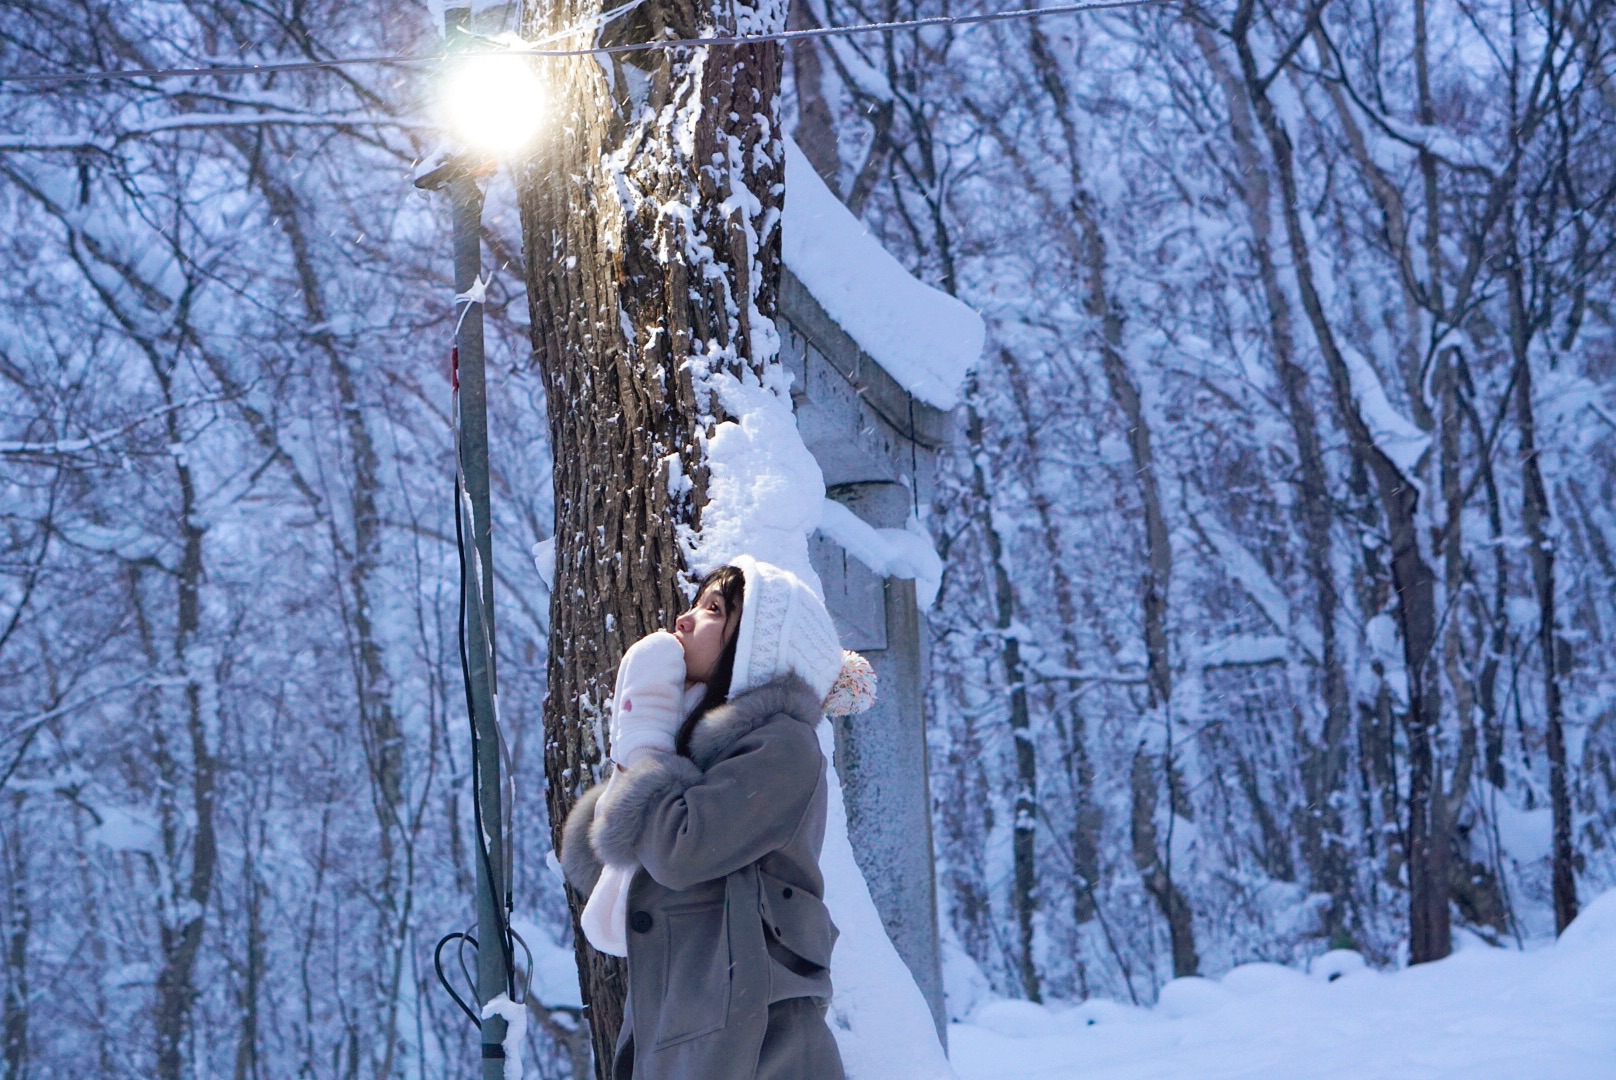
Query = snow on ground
x=1482 y=1014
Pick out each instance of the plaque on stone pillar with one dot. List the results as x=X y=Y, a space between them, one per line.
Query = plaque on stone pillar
x=855 y=596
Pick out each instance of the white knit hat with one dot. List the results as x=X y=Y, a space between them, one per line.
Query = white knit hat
x=784 y=627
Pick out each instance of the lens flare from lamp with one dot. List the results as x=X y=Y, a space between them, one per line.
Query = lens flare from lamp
x=494 y=103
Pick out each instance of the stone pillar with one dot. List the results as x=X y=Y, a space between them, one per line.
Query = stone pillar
x=881 y=755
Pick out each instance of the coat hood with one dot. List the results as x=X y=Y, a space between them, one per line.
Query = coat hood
x=784 y=629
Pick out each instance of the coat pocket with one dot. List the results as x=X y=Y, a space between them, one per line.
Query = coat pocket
x=797 y=921
x=695 y=972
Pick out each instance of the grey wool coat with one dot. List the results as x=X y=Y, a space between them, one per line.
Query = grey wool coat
x=729 y=940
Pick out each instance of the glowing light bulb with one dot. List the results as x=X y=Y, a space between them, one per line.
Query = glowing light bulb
x=494 y=102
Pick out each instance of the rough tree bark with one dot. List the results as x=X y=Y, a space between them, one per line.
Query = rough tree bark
x=650 y=219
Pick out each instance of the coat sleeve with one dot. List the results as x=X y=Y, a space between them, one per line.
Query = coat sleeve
x=579 y=864
x=686 y=826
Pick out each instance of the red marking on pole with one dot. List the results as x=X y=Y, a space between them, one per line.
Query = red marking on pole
x=454 y=368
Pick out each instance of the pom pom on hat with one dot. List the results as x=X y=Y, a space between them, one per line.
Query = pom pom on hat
x=853 y=691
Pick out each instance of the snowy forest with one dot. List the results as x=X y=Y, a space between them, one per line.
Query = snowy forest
x=1277 y=611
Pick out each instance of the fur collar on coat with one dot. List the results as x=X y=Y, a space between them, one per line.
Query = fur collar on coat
x=585 y=840
x=718 y=732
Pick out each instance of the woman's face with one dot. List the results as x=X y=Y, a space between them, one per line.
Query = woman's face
x=704 y=630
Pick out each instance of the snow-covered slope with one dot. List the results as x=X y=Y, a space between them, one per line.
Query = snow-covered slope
x=1481 y=1014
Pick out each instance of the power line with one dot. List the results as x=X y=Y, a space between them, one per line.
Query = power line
x=601 y=50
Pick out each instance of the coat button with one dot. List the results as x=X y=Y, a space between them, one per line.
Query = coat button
x=640 y=922
x=786 y=892
x=776 y=931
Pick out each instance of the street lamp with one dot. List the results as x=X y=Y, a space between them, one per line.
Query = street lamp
x=493 y=102
x=492 y=105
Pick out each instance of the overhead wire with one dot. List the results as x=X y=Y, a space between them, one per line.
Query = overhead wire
x=666 y=45
x=473 y=574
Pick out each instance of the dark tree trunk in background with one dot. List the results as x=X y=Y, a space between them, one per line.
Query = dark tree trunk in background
x=1064 y=707
x=1077 y=226
x=1544 y=273
x=815 y=133
x=192 y=827
x=17 y=922
x=381 y=734
x=616 y=216
x=1537 y=515
x=1152 y=854
x=187 y=829
x=1024 y=827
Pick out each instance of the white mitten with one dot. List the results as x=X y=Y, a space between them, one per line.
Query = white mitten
x=605 y=915
x=646 y=705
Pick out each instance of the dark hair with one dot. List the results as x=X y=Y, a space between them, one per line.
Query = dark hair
x=731 y=585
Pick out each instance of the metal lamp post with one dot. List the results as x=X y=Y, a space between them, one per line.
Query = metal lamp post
x=495 y=113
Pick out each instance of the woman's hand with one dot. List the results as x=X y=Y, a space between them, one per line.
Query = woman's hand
x=646 y=702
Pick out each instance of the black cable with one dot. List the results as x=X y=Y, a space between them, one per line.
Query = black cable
x=437 y=962
x=476 y=745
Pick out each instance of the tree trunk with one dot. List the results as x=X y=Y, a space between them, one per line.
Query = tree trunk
x=1537 y=515
x=380 y=732
x=1154 y=871
x=184 y=921
x=1153 y=858
x=1024 y=825
x=1324 y=765
x=1493 y=611
x=19 y=916
x=816 y=125
x=652 y=243
x=1087 y=815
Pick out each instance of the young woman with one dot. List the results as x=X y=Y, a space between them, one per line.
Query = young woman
x=700 y=854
